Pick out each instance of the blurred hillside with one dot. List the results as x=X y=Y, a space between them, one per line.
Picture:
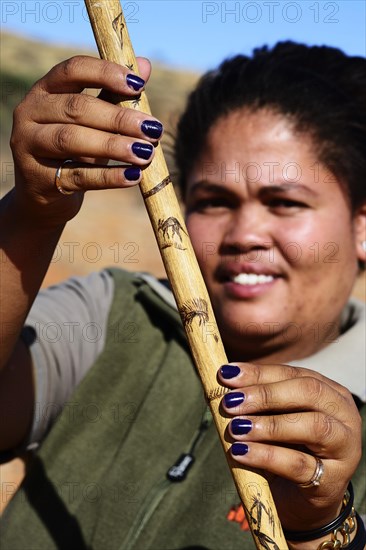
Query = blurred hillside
x=112 y=228
x=23 y=61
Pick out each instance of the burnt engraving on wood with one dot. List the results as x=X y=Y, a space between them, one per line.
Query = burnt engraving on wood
x=194 y=309
x=157 y=188
x=118 y=27
x=171 y=230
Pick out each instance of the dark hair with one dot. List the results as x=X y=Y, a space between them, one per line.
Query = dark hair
x=320 y=88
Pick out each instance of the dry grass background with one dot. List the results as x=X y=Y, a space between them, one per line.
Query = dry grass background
x=113 y=227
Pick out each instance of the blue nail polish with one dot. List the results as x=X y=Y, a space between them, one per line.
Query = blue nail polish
x=142 y=150
x=133 y=173
x=152 y=128
x=229 y=371
x=241 y=426
x=239 y=449
x=135 y=82
x=233 y=399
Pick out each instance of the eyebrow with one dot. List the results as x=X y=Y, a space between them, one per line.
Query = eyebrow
x=265 y=189
x=206 y=186
x=283 y=187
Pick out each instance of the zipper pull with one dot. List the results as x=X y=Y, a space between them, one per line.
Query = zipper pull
x=179 y=471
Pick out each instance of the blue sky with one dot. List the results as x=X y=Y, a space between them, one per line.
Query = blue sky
x=198 y=34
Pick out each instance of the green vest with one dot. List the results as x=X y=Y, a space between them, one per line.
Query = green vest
x=99 y=481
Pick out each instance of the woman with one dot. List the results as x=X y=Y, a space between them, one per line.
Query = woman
x=271 y=158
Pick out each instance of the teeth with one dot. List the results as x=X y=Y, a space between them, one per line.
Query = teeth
x=252 y=279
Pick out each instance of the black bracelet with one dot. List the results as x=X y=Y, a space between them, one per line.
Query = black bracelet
x=359 y=541
x=303 y=536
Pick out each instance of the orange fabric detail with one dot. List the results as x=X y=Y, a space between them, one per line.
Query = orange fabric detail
x=237 y=514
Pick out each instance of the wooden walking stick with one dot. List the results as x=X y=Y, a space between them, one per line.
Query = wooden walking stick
x=186 y=280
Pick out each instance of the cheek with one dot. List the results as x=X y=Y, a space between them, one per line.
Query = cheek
x=204 y=239
x=316 y=242
x=298 y=244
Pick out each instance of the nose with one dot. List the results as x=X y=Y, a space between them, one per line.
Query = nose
x=247 y=230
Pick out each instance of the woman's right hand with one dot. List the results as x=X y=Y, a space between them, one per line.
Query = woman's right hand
x=56 y=122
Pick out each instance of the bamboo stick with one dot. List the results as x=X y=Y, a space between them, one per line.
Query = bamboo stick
x=186 y=280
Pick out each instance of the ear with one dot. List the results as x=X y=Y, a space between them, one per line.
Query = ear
x=359 y=222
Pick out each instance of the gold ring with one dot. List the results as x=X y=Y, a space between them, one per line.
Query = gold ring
x=315 y=480
x=58 y=179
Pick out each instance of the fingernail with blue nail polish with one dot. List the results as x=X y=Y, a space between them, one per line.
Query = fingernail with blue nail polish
x=241 y=426
x=233 y=399
x=229 y=371
x=135 y=82
x=133 y=173
x=239 y=449
x=152 y=128
x=142 y=150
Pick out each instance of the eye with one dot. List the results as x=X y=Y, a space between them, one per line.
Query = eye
x=209 y=204
x=283 y=204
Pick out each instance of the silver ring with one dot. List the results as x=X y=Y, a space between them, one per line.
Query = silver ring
x=58 y=179
x=315 y=480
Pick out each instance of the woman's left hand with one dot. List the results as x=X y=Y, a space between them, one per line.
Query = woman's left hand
x=284 y=417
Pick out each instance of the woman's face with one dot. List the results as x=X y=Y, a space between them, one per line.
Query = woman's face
x=274 y=237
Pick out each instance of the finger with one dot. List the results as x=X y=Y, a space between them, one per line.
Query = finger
x=323 y=435
x=144 y=67
x=302 y=394
x=290 y=464
x=79 y=72
x=91 y=112
x=85 y=177
x=236 y=375
x=71 y=141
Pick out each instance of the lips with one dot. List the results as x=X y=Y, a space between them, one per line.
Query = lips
x=247 y=274
x=252 y=279
x=245 y=281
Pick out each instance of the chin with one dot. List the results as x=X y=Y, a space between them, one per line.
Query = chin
x=253 y=347
x=254 y=327
x=252 y=319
